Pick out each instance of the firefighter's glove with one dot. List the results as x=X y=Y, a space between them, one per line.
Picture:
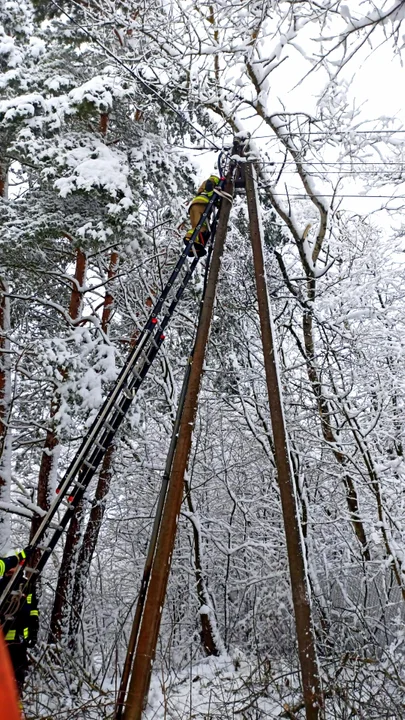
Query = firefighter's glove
x=33 y=639
x=22 y=556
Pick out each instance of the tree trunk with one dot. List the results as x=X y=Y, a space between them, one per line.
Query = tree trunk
x=308 y=353
x=60 y=606
x=49 y=459
x=327 y=428
x=5 y=408
x=5 y=391
x=3 y=179
x=50 y=452
x=48 y=467
x=67 y=570
x=95 y=520
x=150 y=624
x=88 y=545
x=209 y=635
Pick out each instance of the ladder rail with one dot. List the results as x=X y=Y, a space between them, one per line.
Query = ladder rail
x=146 y=332
x=111 y=399
x=96 y=456
x=149 y=342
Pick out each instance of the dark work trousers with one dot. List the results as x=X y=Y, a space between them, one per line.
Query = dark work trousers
x=19 y=659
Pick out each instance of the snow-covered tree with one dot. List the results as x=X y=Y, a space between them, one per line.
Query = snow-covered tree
x=96 y=117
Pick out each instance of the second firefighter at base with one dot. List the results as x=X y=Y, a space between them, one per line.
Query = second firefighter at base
x=23 y=631
x=196 y=209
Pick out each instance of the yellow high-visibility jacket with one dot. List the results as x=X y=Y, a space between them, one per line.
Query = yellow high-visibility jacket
x=26 y=622
x=205 y=191
x=10 y=562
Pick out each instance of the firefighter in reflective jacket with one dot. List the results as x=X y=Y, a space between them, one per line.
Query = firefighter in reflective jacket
x=23 y=631
x=196 y=209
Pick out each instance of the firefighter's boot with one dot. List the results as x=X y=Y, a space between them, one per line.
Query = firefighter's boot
x=199 y=242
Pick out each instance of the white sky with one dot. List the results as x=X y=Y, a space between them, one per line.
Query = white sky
x=377 y=81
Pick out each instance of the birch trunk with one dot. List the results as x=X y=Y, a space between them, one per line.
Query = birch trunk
x=5 y=410
x=5 y=391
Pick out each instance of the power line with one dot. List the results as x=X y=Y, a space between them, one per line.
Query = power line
x=304 y=196
x=326 y=134
x=354 y=173
x=136 y=76
x=180 y=114
x=337 y=162
x=290 y=163
x=199 y=132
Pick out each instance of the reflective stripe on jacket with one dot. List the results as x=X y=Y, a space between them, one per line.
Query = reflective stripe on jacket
x=200 y=199
x=33 y=612
x=26 y=621
x=8 y=563
x=204 y=196
x=11 y=635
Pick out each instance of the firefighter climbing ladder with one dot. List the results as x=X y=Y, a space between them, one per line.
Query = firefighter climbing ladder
x=84 y=465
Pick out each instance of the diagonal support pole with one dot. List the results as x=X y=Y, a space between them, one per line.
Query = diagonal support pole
x=150 y=624
x=299 y=584
x=151 y=553
x=120 y=703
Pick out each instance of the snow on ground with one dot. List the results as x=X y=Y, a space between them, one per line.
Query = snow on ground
x=215 y=688
x=209 y=689
x=224 y=688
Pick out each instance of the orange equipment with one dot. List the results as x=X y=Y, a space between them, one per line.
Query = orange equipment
x=9 y=702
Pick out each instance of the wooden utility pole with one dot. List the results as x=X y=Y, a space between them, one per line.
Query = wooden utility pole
x=151 y=552
x=152 y=613
x=299 y=584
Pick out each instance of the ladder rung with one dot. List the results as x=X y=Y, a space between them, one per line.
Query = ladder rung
x=119 y=409
x=109 y=427
x=80 y=485
x=100 y=446
x=134 y=371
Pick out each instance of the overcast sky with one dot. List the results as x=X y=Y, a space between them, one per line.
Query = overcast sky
x=376 y=87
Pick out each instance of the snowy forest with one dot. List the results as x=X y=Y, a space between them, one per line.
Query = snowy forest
x=111 y=115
